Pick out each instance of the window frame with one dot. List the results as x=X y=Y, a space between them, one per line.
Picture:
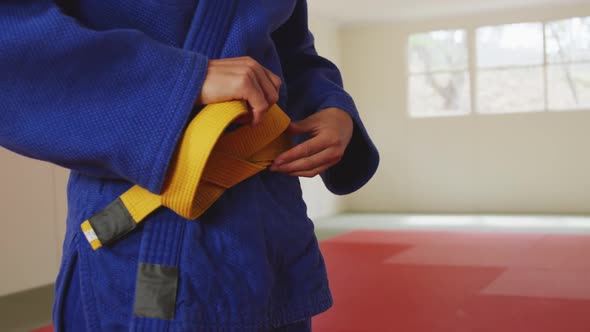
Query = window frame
x=546 y=66
x=473 y=70
x=410 y=74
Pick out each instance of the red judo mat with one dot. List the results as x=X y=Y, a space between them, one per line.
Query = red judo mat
x=44 y=329
x=456 y=281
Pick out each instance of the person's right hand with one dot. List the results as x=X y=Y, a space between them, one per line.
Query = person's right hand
x=241 y=79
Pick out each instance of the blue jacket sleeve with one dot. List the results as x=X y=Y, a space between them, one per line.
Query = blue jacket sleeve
x=105 y=103
x=314 y=83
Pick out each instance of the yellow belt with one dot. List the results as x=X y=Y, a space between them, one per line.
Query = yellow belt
x=205 y=164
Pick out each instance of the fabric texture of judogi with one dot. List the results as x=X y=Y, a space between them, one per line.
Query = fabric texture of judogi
x=105 y=88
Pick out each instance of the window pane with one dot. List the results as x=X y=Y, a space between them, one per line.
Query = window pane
x=509 y=45
x=568 y=40
x=439 y=94
x=437 y=50
x=510 y=90
x=568 y=86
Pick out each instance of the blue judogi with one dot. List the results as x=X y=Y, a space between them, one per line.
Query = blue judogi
x=105 y=88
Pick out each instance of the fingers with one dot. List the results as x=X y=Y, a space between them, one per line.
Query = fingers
x=274 y=78
x=263 y=75
x=241 y=79
x=313 y=172
x=266 y=83
x=301 y=127
x=244 y=119
x=311 y=165
x=271 y=90
x=254 y=95
x=303 y=150
x=330 y=130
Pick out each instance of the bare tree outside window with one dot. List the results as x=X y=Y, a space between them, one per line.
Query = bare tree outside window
x=439 y=80
x=523 y=67
x=568 y=59
x=510 y=68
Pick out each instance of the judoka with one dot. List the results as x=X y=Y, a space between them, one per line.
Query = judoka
x=106 y=89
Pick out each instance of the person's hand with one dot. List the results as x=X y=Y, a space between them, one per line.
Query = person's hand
x=240 y=79
x=330 y=130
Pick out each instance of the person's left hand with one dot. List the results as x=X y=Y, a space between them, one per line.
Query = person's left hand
x=330 y=130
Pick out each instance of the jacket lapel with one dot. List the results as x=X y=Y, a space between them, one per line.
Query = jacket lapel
x=209 y=27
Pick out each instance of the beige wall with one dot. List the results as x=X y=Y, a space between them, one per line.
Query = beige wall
x=32 y=215
x=513 y=163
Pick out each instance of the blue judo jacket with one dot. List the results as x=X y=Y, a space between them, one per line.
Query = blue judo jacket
x=105 y=88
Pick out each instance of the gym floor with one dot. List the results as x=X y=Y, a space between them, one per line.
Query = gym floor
x=431 y=273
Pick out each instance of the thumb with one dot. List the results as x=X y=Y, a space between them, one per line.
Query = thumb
x=301 y=127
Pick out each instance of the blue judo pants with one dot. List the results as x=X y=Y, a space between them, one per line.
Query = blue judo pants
x=72 y=318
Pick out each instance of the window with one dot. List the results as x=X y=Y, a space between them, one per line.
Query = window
x=510 y=68
x=438 y=78
x=568 y=64
x=525 y=67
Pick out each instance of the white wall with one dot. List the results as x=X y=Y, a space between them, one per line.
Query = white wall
x=320 y=201
x=513 y=163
